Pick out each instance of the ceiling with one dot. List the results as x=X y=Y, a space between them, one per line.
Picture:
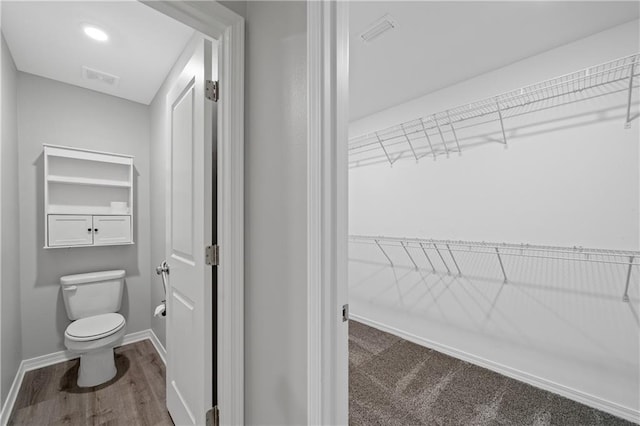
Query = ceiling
x=46 y=38
x=437 y=44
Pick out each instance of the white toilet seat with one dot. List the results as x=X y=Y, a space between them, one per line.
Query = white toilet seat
x=94 y=327
x=94 y=332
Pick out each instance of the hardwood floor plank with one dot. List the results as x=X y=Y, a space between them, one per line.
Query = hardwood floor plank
x=26 y=415
x=136 y=396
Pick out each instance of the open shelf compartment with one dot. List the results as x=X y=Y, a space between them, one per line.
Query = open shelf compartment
x=84 y=185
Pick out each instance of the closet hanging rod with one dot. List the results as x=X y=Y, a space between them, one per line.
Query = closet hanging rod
x=503 y=106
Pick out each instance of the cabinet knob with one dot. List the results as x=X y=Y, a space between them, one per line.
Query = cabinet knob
x=89 y=230
x=95 y=230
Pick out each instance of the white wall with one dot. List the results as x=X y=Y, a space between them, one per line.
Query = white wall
x=569 y=177
x=275 y=214
x=56 y=113
x=9 y=227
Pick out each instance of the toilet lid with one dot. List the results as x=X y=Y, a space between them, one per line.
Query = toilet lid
x=95 y=327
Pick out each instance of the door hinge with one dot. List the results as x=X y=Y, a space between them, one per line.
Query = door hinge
x=211 y=90
x=212 y=255
x=345 y=312
x=213 y=417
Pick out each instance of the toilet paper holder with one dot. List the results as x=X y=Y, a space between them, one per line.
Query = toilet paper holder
x=163 y=271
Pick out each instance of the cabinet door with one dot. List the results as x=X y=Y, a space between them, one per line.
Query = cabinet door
x=111 y=230
x=69 y=230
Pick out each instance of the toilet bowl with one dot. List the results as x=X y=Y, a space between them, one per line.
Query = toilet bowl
x=94 y=338
x=92 y=301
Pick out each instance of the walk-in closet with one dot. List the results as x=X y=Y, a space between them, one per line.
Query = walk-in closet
x=494 y=220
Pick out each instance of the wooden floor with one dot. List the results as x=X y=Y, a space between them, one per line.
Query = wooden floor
x=136 y=396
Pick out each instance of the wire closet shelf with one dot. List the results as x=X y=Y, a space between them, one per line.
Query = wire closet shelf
x=628 y=258
x=438 y=133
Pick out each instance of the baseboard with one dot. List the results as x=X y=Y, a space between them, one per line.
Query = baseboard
x=62 y=356
x=539 y=382
x=12 y=395
x=150 y=335
x=162 y=352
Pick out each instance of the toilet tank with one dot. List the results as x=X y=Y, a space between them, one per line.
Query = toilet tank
x=93 y=293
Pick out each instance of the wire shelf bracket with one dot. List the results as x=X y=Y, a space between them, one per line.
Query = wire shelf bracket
x=426 y=135
x=413 y=151
x=384 y=252
x=444 y=142
x=454 y=260
x=627 y=124
x=433 y=268
x=442 y=258
x=625 y=296
x=384 y=149
x=504 y=135
x=455 y=136
x=415 y=265
x=501 y=265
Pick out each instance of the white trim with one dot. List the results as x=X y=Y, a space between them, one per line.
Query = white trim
x=215 y=20
x=62 y=356
x=314 y=226
x=162 y=352
x=574 y=394
x=7 y=408
x=1 y=199
x=231 y=228
x=46 y=360
x=81 y=151
x=327 y=168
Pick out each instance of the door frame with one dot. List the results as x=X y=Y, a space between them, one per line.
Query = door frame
x=216 y=21
x=327 y=211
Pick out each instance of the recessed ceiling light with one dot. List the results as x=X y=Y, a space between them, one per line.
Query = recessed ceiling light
x=95 y=33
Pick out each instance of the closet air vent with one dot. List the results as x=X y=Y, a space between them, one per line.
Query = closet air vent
x=377 y=28
x=90 y=74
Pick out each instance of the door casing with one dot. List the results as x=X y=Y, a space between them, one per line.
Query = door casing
x=216 y=21
x=327 y=212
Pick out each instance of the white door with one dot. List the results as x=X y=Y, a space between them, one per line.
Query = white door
x=111 y=230
x=189 y=230
x=69 y=230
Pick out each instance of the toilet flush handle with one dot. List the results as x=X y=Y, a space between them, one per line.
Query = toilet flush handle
x=70 y=288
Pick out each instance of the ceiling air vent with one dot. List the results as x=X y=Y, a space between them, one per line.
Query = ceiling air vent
x=377 y=28
x=100 y=77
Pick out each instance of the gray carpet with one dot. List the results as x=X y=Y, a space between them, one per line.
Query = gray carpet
x=395 y=382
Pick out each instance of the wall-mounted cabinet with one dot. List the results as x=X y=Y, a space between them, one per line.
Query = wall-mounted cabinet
x=88 y=198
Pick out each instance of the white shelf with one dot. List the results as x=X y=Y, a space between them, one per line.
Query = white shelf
x=549 y=252
x=80 y=186
x=88 y=181
x=87 y=154
x=422 y=251
x=434 y=135
x=90 y=245
x=88 y=210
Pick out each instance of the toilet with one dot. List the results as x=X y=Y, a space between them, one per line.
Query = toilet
x=92 y=302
